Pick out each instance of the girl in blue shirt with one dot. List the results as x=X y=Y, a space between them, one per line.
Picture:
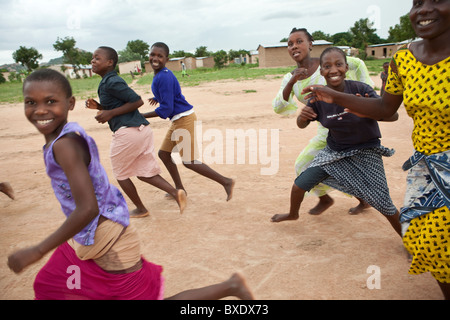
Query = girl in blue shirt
x=173 y=105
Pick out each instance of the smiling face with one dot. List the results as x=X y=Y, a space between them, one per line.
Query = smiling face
x=158 y=58
x=101 y=62
x=430 y=18
x=333 y=68
x=47 y=107
x=299 y=46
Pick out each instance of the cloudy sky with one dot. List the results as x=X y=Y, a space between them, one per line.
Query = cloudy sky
x=182 y=24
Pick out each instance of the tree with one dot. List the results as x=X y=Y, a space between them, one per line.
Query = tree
x=402 y=31
x=127 y=55
x=220 y=58
x=72 y=55
x=320 y=35
x=140 y=47
x=202 y=52
x=342 y=39
x=14 y=76
x=67 y=47
x=232 y=54
x=180 y=54
x=27 y=57
x=363 y=34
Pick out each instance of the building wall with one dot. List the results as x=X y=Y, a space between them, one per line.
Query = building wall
x=253 y=58
x=207 y=62
x=190 y=62
x=132 y=66
x=271 y=57
x=147 y=67
x=382 y=52
x=174 y=64
x=317 y=50
x=70 y=72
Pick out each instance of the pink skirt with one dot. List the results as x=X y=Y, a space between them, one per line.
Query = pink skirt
x=66 y=277
x=133 y=153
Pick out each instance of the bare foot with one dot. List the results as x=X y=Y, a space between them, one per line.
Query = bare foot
x=136 y=213
x=181 y=200
x=229 y=189
x=239 y=287
x=169 y=196
x=324 y=203
x=6 y=188
x=359 y=208
x=284 y=217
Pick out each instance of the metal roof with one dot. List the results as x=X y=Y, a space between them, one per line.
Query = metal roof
x=284 y=44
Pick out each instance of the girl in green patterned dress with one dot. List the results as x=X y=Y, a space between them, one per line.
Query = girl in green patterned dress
x=419 y=77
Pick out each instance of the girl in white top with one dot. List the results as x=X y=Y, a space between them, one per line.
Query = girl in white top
x=300 y=44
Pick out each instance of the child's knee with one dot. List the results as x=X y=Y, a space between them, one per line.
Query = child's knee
x=164 y=155
x=189 y=164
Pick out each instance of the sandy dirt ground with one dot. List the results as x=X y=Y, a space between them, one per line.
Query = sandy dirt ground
x=317 y=257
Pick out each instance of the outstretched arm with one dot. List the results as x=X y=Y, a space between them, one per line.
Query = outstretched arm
x=151 y=114
x=392 y=118
x=375 y=108
x=72 y=156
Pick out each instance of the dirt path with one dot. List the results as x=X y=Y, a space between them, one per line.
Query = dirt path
x=316 y=257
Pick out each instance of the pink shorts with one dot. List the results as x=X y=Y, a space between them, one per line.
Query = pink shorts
x=133 y=153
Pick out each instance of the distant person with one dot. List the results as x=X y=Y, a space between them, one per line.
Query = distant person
x=6 y=188
x=98 y=254
x=173 y=105
x=384 y=76
x=300 y=44
x=132 y=147
x=352 y=160
x=183 y=69
x=419 y=79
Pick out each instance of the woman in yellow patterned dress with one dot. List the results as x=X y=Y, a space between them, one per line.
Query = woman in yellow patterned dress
x=419 y=76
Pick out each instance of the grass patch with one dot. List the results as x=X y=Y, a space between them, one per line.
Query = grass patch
x=87 y=88
x=202 y=75
x=11 y=92
x=375 y=66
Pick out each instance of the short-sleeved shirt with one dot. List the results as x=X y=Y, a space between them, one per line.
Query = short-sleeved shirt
x=426 y=96
x=346 y=130
x=114 y=92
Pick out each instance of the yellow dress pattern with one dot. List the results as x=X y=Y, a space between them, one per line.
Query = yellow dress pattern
x=426 y=96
